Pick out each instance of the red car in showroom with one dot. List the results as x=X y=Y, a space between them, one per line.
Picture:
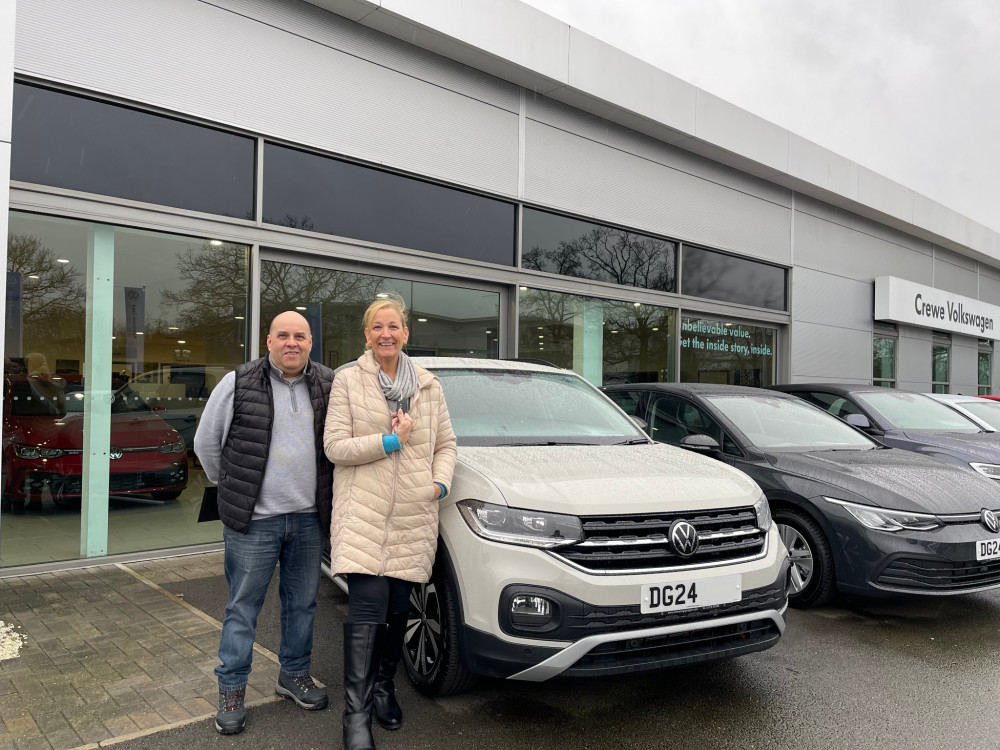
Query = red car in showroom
x=43 y=445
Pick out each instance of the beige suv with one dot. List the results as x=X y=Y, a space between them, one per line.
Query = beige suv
x=572 y=545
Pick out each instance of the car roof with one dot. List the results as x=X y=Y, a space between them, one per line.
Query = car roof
x=957 y=398
x=841 y=388
x=472 y=363
x=698 y=388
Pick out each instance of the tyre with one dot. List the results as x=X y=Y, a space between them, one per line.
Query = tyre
x=430 y=649
x=165 y=495
x=812 y=576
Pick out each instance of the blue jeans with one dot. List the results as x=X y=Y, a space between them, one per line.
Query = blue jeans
x=293 y=540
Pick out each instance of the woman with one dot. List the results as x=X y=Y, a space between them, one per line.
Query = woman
x=389 y=434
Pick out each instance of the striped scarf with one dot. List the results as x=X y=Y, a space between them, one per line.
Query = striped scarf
x=398 y=392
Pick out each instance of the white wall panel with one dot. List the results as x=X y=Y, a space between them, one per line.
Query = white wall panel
x=595 y=128
x=819 y=297
x=208 y=62
x=828 y=246
x=575 y=174
x=956 y=279
x=989 y=287
x=824 y=352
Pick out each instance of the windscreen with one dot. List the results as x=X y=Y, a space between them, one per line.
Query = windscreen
x=789 y=424
x=520 y=407
x=988 y=411
x=914 y=411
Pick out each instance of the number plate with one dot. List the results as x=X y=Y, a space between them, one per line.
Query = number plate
x=988 y=550
x=670 y=597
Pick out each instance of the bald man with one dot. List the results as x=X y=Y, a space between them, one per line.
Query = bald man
x=260 y=428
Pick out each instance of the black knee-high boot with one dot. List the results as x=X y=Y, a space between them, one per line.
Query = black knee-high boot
x=387 y=710
x=362 y=655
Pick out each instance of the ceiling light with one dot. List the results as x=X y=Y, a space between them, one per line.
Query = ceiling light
x=656 y=329
x=62 y=260
x=614 y=332
x=238 y=317
x=215 y=242
x=523 y=288
x=173 y=328
x=32 y=276
x=300 y=308
x=382 y=295
x=181 y=341
x=636 y=304
x=421 y=320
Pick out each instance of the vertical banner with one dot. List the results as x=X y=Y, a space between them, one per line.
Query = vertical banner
x=14 y=332
x=314 y=314
x=135 y=326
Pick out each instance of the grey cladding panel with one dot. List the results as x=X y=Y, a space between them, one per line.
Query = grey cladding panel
x=824 y=245
x=822 y=297
x=820 y=352
x=273 y=82
x=955 y=279
x=564 y=171
x=336 y=32
x=550 y=112
x=989 y=289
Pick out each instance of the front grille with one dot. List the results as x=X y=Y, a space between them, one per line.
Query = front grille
x=927 y=574
x=677 y=649
x=641 y=543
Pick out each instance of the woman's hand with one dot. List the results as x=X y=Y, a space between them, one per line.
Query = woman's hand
x=402 y=423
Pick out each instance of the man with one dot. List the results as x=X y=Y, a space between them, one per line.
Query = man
x=260 y=439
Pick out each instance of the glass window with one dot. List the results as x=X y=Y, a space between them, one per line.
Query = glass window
x=837 y=405
x=782 y=423
x=444 y=321
x=604 y=340
x=915 y=411
x=672 y=418
x=884 y=361
x=726 y=352
x=157 y=335
x=728 y=278
x=521 y=407
x=76 y=143
x=939 y=368
x=317 y=193
x=985 y=371
x=572 y=247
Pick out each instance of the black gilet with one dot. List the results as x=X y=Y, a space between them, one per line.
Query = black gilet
x=244 y=456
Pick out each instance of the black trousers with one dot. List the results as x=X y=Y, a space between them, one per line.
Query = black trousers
x=371 y=598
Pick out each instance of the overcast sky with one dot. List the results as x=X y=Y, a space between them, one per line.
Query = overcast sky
x=908 y=88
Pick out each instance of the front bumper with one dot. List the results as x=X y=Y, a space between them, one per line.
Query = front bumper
x=938 y=562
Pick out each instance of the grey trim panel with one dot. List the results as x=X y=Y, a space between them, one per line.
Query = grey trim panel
x=570 y=655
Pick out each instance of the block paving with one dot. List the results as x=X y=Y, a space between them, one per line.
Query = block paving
x=109 y=654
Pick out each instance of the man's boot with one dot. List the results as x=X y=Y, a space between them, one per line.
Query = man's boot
x=362 y=656
x=387 y=710
x=232 y=716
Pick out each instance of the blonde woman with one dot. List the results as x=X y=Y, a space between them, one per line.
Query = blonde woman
x=389 y=434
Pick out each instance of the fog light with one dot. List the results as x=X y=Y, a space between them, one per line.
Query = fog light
x=528 y=609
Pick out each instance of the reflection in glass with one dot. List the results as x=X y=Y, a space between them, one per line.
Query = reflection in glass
x=939 y=368
x=571 y=247
x=884 y=361
x=985 y=373
x=77 y=143
x=444 y=321
x=321 y=194
x=605 y=341
x=718 y=276
x=167 y=329
x=727 y=352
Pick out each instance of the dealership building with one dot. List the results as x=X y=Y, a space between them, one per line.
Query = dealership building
x=183 y=170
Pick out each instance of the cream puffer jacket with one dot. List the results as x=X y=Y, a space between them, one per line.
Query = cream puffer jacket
x=385 y=507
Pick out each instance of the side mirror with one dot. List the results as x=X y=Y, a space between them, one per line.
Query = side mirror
x=858 y=420
x=700 y=443
x=639 y=422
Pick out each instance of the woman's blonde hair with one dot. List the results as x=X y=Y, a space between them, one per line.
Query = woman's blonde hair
x=392 y=300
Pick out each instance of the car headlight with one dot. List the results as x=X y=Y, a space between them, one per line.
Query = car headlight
x=881 y=519
x=33 y=452
x=518 y=526
x=990 y=470
x=177 y=447
x=763 y=511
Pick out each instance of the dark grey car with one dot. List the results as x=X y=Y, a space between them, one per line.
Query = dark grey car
x=855 y=515
x=911 y=421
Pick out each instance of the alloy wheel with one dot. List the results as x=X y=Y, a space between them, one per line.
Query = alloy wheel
x=800 y=554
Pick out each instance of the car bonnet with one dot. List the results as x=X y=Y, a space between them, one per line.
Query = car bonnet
x=593 y=479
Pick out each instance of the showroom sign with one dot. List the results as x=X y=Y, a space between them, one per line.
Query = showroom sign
x=901 y=301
